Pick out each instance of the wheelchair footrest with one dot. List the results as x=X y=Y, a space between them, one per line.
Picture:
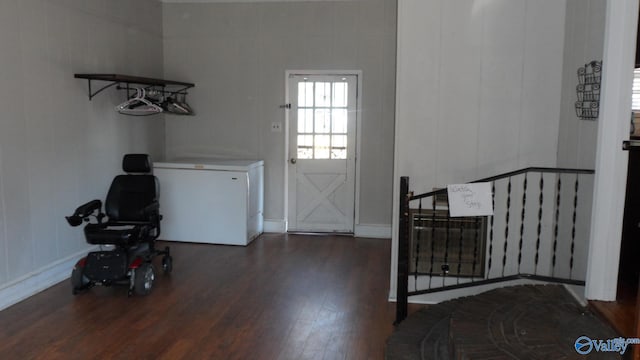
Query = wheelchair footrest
x=106 y=265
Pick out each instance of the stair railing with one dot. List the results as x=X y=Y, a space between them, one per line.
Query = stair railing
x=438 y=253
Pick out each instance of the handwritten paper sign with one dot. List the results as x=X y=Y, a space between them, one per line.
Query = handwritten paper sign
x=470 y=199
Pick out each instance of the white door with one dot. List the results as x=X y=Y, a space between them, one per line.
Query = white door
x=322 y=137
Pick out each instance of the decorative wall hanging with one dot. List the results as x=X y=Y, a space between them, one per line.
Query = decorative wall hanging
x=588 y=90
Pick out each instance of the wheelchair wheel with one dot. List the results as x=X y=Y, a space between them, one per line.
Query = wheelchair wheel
x=167 y=264
x=144 y=277
x=78 y=280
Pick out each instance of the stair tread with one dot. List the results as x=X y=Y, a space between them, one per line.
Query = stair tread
x=518 y=322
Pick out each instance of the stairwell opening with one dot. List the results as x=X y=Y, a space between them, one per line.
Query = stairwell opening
x=441 y=245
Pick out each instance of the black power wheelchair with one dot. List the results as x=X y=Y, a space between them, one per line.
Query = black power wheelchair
x=130 y=225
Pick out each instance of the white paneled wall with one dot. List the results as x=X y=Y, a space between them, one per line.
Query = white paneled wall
x=577 y=139
x=584 y=42
x=479 y=90
x=57 y=148
x=237 y=55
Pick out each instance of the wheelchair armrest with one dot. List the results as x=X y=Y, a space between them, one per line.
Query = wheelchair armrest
x=152 y=209
x=83 y=211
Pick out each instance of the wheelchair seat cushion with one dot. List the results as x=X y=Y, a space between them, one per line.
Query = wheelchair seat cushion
x=116 y=234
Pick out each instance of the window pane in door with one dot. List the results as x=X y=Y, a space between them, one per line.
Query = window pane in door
x=323 y=121
x=323 y=94
x=340 y=94
x=339 y=147
x=339 y=121
x=321 y=146
x=305 y=121
x=305 y=146
x=305 y=94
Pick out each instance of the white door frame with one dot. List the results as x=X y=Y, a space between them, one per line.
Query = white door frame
x=358 y=75
x=611 y=161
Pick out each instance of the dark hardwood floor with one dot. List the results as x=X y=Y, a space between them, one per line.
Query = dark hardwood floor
x=622 y=313
x=282 y=297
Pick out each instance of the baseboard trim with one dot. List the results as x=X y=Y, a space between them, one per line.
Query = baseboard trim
x=379 y=231
x=38 y=280
x=577 y=291
x=275 y=226
x=438 y=297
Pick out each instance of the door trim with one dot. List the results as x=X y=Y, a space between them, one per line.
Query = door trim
x=611 y=162
x=359 y=92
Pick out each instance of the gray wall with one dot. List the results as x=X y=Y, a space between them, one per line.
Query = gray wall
x=57 y=148
x=237 y=55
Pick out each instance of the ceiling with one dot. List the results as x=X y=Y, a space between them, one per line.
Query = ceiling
x=241 y=1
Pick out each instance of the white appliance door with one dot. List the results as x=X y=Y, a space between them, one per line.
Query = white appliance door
x=205 y=206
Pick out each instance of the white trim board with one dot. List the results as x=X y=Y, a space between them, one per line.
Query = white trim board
x=379 y=231
x=438 y=297
x=275 y=225
x=611 y=162
x=39 y=280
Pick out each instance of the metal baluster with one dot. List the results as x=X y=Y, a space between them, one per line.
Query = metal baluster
x=418 y=239
x=522 y=215
x=433 y=238
x=475 y=249
x=445 y=264
x=540 y=202
x=573 y=226
x=506 y=227
x=403 y=251
x=493 y=203
x=460 y=251
x=555 y=228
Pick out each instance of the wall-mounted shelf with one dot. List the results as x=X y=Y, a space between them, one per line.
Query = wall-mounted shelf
x=167 y=86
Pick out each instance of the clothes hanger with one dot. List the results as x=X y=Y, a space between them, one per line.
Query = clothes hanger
x=174 y=106
x=185 y=105
x=138 y=105
x=129 y=101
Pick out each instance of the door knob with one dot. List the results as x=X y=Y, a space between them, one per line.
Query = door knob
x=293 y=160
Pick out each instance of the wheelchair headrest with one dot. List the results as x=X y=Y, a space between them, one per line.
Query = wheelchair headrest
x=136 y=163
